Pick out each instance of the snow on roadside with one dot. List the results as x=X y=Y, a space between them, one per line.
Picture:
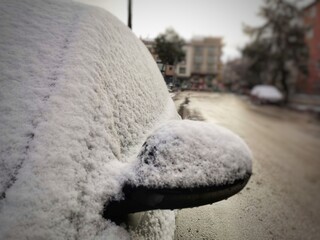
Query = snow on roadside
x=155 y=225
x=78 y=94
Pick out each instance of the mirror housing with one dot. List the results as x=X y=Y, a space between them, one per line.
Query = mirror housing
x=184 y=164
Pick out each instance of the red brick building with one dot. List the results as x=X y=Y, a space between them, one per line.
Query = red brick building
x=311 y=19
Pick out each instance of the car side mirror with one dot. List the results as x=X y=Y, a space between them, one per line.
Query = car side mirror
x=184 y=164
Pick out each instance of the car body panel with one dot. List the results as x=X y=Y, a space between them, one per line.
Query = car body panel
x=79 y=94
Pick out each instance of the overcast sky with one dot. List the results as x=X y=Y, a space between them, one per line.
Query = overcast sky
x=221 y=18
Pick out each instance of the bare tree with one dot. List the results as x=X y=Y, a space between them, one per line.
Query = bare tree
x=278 y=44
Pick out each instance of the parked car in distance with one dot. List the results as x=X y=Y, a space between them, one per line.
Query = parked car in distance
x=266 y=94
x=90 y=135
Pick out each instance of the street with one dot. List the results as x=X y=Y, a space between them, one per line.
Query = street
x=282 y=198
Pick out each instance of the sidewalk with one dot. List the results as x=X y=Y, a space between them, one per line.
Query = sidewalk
x=303 y=102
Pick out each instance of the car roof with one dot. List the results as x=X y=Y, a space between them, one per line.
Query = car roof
x=79 y=93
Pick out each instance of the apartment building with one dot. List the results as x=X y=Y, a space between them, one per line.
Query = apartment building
x=200 y=70
x=202 y=67
x=311 y=19
x=183 y=68
x=206 y=62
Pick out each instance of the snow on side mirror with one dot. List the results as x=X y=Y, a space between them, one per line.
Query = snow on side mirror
x=185 y=164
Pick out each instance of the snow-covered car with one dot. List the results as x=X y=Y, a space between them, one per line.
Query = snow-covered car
x=266 y=94
x=89 y=135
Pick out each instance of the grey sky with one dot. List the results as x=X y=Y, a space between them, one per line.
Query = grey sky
x=223 y=18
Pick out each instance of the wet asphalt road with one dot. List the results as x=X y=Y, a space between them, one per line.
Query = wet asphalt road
x=282 y=198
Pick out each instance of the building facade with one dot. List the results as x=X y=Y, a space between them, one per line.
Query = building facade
x=205 y=62
x=311 y=20
x=200 y=70
x=202 y=67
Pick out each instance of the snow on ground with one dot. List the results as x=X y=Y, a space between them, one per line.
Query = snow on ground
x=78 y=94
x=188 y=154
x=282 y=198
x=154 y=225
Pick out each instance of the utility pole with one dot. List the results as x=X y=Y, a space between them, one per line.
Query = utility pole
x=130 y=14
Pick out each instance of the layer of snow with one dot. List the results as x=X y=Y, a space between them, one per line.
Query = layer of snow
x=188 y=154
x=266 y=92
x=155 y=225
x=78 y=95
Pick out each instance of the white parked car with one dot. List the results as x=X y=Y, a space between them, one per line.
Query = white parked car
x=89 y=134
x=266 y=94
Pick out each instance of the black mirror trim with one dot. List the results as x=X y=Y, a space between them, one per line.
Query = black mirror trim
x=138 y=199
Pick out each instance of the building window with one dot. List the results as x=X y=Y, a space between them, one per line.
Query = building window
x=198 y=59
x=211 y=59
x=313 y=12
x=211 y=51
x=197 y=67
x=198 y=51
x=182 y=70
x=309 y=33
